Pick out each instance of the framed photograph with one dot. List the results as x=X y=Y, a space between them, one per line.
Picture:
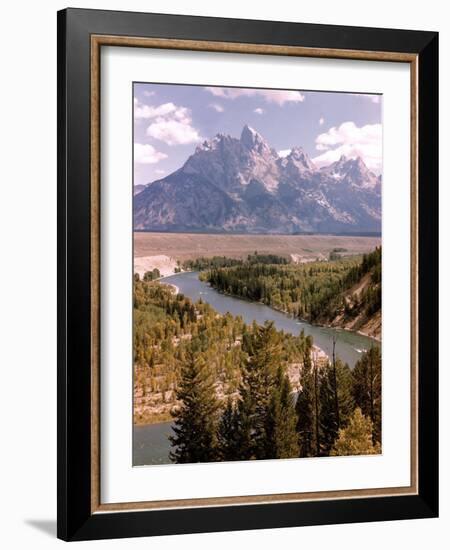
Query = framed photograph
x=247 y=274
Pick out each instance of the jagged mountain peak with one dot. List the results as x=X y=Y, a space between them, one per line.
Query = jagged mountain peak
x=251 y=139
x=242 y=185
x=301 y=159
x=213 y=143
x=353 y=170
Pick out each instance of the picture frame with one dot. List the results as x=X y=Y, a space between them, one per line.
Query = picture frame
x=81 y=36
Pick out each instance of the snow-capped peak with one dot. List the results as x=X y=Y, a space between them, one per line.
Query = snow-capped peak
x=352 y=170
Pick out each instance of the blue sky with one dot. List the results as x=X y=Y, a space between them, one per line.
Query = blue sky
x=170 y=120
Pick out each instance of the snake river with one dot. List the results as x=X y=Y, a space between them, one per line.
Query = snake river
x=151 y=444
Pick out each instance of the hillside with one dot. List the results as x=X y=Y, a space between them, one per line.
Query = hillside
x=354 y=315
x=169 y=329
x=345 y=292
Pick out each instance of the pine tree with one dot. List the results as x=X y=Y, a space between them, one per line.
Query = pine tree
x=328 y=421
x=356 y=439
x=196 y=419
x=259 y=375
x=281 y=433
x=227 y=433
x=306 y=409
x=366 y=388
x=336 y=403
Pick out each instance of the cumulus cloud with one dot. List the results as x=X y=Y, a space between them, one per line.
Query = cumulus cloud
x=174 y=131
x=321 y=121
x=218 y=108
x=284 y=153
x=351 y=141
x=147 y=154
x=141 y=110
x=271 y=96
x=170 y=123
x=258 y=111
x=149 y=93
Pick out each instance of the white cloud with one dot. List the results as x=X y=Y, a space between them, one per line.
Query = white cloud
x=218 y=108
x=173 y=131
x=271 y=96
x=141 y=110
x=321 y=121
x=147 y=154
x=149 y=93
x=284 y=152
x=259 y=111
x=351 y=141
x=170 y=123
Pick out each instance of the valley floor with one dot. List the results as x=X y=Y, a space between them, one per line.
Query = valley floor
x=299 y=248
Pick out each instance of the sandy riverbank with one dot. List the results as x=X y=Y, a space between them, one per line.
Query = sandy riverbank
x=165 y=264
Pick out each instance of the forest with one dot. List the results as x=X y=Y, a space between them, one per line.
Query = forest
x=315 y=292
x=216 y=262
x=244 y=392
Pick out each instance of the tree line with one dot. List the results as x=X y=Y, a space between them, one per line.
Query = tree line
x=336 y=411
x=316 y=292
x=229 y=385
x=169 y=329
x=217 y=262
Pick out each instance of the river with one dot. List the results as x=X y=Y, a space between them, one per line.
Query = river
x=151 y=444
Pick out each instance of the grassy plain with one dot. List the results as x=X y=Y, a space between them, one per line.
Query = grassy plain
x=300 y=248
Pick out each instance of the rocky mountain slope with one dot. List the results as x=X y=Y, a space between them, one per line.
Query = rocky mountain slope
x=243 y=185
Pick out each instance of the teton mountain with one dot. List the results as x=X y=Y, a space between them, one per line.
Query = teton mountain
x=243 y=186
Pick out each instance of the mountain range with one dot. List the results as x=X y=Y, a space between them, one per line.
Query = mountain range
x=243 y=185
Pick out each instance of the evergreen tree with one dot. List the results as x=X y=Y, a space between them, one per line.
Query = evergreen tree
x=366 y=388
x=259 y=375
x=336 y=403
x=305 y=408
x=245 y=425
x=281 y=433
x=227 y=433
x=329 y=428
x=196 y=419
x=356 y=439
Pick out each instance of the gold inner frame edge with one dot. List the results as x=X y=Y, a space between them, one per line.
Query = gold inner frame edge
x=97 y=41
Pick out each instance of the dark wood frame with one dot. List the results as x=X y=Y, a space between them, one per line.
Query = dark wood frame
x=81 y=34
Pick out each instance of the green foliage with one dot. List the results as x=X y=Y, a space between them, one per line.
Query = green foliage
x=196 y=418
x=259 y=377
x=227 y=383
x=167 y=327
x=336 y=403
x=151 y=275
x=356 y=439
x=281 y=439
x=306 y=408
x=227 y=435
x=314 y=291
x=217 y=262
x=366 y=388
x=262 y=425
